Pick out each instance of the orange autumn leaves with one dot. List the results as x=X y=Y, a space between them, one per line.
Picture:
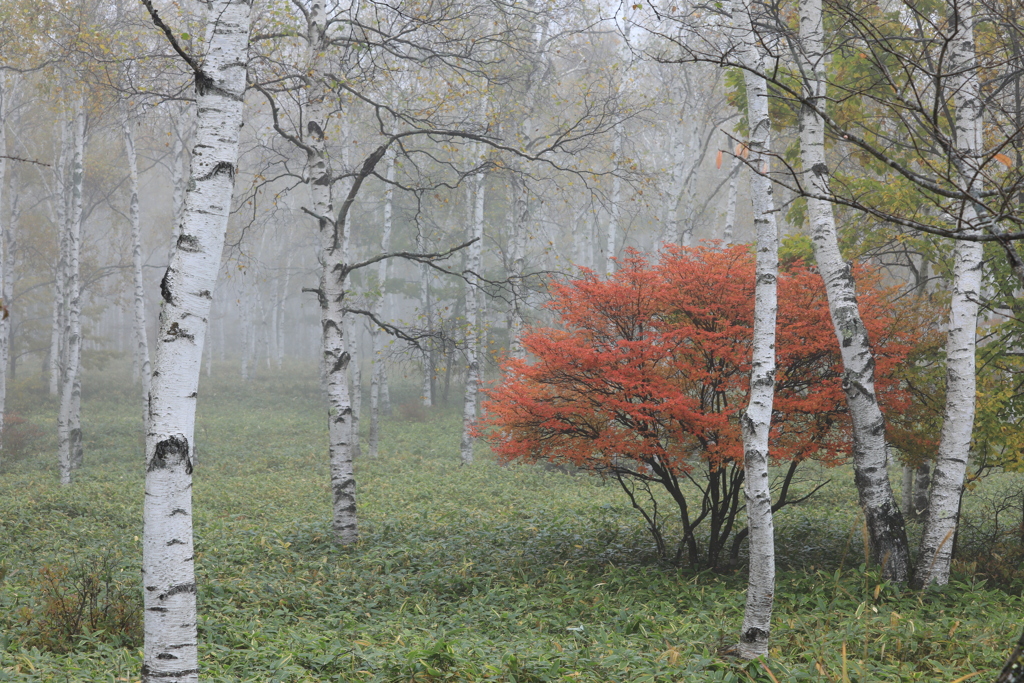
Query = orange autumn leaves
x=653 y=364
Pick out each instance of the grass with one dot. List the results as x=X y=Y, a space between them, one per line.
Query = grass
x=479 y=573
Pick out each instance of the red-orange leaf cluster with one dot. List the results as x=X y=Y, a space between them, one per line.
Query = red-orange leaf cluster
x=650 y=370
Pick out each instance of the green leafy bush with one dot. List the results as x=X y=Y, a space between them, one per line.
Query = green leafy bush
x=90 y=598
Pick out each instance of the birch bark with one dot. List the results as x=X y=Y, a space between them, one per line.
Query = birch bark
x=472 y=333
x=168 y=558
x=5 y=275
x=870 y=452
x=139 y=337
x=426 y=353
x=756 y=422
x=730 y=203
x=378 y=306
x=335 y=358
x=62 y=204
x=68 y=425
x=936 y=550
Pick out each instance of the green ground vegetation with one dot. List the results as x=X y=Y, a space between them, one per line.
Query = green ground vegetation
x=480 y=573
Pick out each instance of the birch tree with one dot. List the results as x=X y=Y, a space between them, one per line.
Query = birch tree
x=472 y=321
x=168 y=558
x=69 y=430
x=870 y=455
x=140 y=352
x=379 y=376
x=5 y=274
x=756 y=421
x=936 y=550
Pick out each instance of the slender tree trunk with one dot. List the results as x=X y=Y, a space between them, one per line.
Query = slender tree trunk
x=870 y=452
x=139 y=336
x=615 y=212
x=730 y=204
x=5 y=274
x=426 y=354
x=68 y=425
x=62 y=203
x=936 y=550
x=170 y=652
x=335 y=358
x=472 y=333
x=377 y=336
x=756 y=421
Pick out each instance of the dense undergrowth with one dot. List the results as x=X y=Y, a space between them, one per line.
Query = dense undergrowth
x=477 y=573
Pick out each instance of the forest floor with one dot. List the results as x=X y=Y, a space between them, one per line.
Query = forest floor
x=479 y=573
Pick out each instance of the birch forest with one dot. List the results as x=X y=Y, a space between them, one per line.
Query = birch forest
x=545 y=340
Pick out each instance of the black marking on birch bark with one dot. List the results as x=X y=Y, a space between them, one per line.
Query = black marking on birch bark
x=166 y=655
x=194 y=394
x=165 y=288
x=220 y=167
x=168 y=452
x=175 y=541
x=179 y=646
x=180 y=588
x=175 y=332
x=203 y=83
x=157 y=609
x=820 y=169
x=754 y=635
x=151 y=588
x=342 y=362
x=205 y=294
x=149 y=673
x=189 y=243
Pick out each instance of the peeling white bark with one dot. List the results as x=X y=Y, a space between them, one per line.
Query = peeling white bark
x=427 y=314
x=936 y=551
x=61 y=203
x=68 y=424
x=756 y=421
x=376 y=334
x=5 y=275
x=870 y=452
x=139 y=337
x=615 y=213
x=730 y=204
x=168 y=559
x=472 y=333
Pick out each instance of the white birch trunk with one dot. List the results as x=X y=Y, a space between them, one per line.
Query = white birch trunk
x=335 y=358
x=427 y=394
x=936 y=550
x=62 y=202
x=730 y=204
x=472 y=333
x=68 y=425
x=757 y=419
x=519 y=211
x=139 y=336
x=870 y=452
x=353 y=342
x=615 y=212
x=168 y=559
x=378 y=310
x=5 y=275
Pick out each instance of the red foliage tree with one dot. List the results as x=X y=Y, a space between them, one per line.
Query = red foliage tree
x=647 y=379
